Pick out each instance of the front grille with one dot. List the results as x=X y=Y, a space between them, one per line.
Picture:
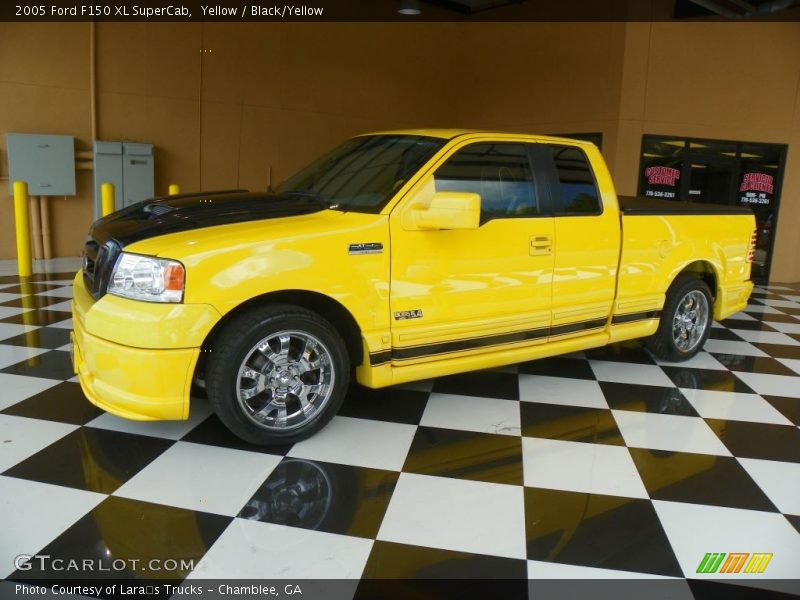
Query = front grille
x=98 y=263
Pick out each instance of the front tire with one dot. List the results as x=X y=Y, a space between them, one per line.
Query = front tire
x=685 y=321
x=277 y=374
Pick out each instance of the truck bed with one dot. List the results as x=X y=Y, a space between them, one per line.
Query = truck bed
x=640 y=205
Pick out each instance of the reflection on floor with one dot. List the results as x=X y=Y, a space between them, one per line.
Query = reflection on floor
x=596 y=464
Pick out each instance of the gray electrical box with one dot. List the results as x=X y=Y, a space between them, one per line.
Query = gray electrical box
x=129 y=166
x=45 y=162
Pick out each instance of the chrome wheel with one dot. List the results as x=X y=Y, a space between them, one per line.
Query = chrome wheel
x=690 y=321
x=285 y=380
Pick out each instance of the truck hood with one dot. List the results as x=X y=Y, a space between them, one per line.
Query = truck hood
x=175 y=214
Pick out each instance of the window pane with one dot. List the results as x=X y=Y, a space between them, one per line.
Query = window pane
x=578 y=192
x=500 y=173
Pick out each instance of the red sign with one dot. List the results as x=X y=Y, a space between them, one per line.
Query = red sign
x=662 y=175
x=757 y=182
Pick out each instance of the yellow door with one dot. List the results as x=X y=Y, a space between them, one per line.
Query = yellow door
x=472 y=291
x=587 y=244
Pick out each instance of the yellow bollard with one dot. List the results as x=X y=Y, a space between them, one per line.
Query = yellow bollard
x=22 y=229
x=174 y=189
x=107 y=198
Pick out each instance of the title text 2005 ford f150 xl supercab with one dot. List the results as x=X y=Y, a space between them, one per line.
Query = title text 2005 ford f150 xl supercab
x=398 y=256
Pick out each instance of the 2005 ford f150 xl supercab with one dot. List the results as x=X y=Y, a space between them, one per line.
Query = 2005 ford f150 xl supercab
x=396 y=257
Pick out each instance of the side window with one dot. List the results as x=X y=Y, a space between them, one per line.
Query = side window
x=577 y=189
x=500 y=173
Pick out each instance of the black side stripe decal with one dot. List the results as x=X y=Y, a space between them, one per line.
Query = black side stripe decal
x=637 y=316
x=409 y=352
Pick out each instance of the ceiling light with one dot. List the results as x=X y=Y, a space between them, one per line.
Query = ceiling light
x=409 y=8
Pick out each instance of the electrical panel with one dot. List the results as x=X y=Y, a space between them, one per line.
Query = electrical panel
x=129 y=166
x=45 y=162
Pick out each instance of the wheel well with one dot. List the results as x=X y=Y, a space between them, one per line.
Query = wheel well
x=325 y=306
x=705 y=271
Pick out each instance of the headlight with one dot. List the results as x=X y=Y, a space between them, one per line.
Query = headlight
x=147 y=278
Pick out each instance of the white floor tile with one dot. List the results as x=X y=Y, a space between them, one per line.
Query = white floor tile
x=766 y=337
x=359 y=442
x=470 y=413
x=32 y=514
x=760 y=308
x=256 y=550
x=792 y=363
x=781 y=303
x=630 y=373
x=63 y=324
x=731 y=347
x=581 y=467
x=173 y=430
x=552 y=570
x=65 y=306
x=733 y=406
x=6 y=297
x=19 y=387
x=743 y=316
x=779 y=480
x=201 y=477
x=21 y=437
x=9 y=330
x=772 y=385
x=11 y=355
x=695 y=529
x=668 y=432
x=561 y=390
x=785 y=327
x=10 y=311
x=453 y=514
x=61 y=292
x=702 y=360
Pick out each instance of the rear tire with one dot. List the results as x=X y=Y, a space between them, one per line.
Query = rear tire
x=685 y=321
x=277 y=374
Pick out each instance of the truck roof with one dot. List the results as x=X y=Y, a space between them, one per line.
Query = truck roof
x=449 y=134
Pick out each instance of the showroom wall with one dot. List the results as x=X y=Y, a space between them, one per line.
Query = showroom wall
x=273 y=96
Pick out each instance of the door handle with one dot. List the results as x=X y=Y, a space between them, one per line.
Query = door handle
x=541 y=245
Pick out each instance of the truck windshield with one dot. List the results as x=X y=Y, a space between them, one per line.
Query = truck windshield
x=363 y=173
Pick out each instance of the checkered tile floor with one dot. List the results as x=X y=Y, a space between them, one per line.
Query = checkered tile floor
x=598 y=464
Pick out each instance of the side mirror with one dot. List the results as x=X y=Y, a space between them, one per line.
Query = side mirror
x=447 y=210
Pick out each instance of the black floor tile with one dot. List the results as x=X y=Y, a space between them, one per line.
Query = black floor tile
x=698 y=479
x=729 y=589
x=31 y=288
x=119 y=529
x=35 y=301
x=91 y=459
x=788 y=407
x=706 y=379
x=55 y=364
x=558 y=366
x=629 y=352
x=777 y=318
x=779 y=350
x=790 y=310
x=60 y=276
x=754 y=364
x=747 y=325
x=64 y=403
x=324 y=497
x=571 y=423
x=595 y=530
x=41 y=317
x=42 y=337
x=486 y=384
x=759 y=440
x=387 y=404
x=390 y=560
x=794 y=520
x=647 y=398
x=214 y=433
x=466 y=455
x=720 y=333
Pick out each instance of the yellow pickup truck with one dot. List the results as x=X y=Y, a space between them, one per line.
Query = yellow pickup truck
x=398 y=256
